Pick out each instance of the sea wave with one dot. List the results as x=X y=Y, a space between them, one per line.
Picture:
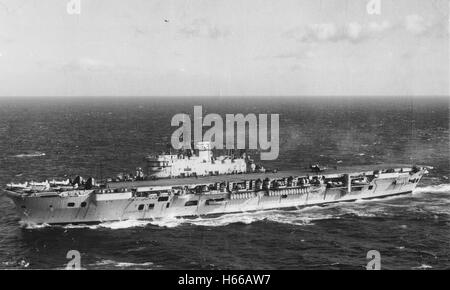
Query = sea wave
x=33 y=226
x=116 y=225
x=439 y=188
x=21 y=263
x=126 y=224
x=422 y=267
x=122 y=264
x=297 y=217
x=34 y=154
x=277 y=216
x=360 y=212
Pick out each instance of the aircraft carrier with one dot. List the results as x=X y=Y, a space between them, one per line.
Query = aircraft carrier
x=184 y=185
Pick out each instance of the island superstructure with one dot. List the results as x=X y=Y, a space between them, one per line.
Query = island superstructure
x=203 y=164
x=201 y=185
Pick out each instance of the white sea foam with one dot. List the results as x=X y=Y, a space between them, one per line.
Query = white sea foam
x=297 y=217
x=121 y=264
x=112 y=225
x=421 y=267
x=224 y=220
x=34 y=154
x=32 y=226
x=80 y=226
x=169 y=222
x=123 y=224
x=127 y=264
x=20 y=263
x=301 y=220
x=440 y=188
x=359 y=212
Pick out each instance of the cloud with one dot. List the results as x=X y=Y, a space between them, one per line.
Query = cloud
x=417 y=24
x=203 y=28
x=330 y=32
x=87 y=64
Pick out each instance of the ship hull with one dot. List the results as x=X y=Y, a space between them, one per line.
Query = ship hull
x=90 y=207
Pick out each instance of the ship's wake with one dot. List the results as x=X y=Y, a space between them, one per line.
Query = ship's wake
x=33 y=226
x=295 y=217
x=278 y=216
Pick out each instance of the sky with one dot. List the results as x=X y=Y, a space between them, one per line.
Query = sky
x=224 y=48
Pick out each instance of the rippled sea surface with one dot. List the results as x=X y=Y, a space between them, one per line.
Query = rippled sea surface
x=42 y=138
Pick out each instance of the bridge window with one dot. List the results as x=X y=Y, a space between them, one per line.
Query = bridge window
x=370 y=187
x=141 y=207
x=71 y=204
x=83 y=204
x=151 y=206
x=191 y=203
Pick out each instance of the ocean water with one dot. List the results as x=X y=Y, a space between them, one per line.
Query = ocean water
x=45 y=138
